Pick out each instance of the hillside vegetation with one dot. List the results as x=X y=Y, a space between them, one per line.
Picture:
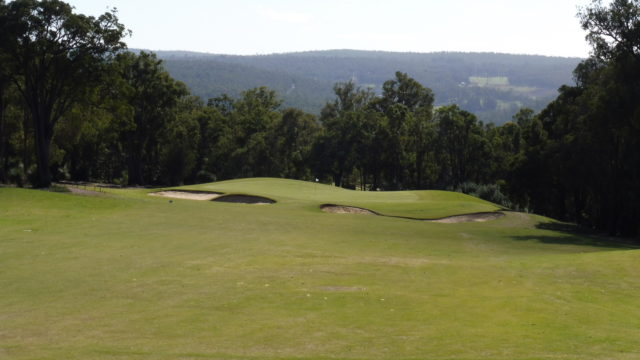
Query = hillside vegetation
x=304 y=80
x=125 y=275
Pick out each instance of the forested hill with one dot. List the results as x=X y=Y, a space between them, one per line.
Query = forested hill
x=493 y=86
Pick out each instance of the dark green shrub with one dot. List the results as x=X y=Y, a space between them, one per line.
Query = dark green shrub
x=489 y=192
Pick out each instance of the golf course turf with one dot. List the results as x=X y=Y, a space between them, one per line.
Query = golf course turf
x=125 y=275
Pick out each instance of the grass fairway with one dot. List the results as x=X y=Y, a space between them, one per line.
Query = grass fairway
x=130 y=276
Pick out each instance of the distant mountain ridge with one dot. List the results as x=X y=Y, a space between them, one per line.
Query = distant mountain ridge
x=493 y=86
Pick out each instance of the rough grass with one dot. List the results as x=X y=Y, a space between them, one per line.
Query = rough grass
x=130 y=276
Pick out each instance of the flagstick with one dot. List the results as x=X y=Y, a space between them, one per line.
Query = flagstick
x=315 y=189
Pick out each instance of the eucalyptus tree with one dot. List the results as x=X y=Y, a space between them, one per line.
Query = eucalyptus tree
x=293 y=137
x=53 y=55
x=180 y=140
x=4 y=90
x=613 y=30
x=408 y=107
x=4 y=87
x=344 y=132
x=253 y=117
x=610 y=81
x=152 y=97
x=462 y=147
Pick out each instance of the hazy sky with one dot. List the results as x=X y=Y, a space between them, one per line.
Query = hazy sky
x=545 y=27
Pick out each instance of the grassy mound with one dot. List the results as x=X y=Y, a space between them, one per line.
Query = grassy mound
x=132 y=276
x=416 y=204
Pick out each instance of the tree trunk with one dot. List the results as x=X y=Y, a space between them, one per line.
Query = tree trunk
x=337 y=179
x=376 y=181
x=135 y=167
x=25 y=142
x=3 y=139
x=419 y=167
x=43 y=136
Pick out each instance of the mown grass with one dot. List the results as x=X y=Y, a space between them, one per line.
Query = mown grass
x=418 y=204
x=129 y=276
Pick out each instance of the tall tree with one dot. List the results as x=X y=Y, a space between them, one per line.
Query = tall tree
x=587 y=141
x=153 y=97
x=462 y=146
x=614 y=30
x=343 y=120
x=4 y=90
x=53 y=55
x=294 y=135
x=179 y=142
x=611 y=83
x=4 y=86
x=408 y=107
x=254 y=115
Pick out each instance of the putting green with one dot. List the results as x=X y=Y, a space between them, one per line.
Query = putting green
x=131 y=276
x=416 y=204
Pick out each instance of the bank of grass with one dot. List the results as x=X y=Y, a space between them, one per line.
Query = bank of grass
x=418 y=204
x=130 y=276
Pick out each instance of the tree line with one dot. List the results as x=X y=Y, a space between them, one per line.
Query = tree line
x=76 y=105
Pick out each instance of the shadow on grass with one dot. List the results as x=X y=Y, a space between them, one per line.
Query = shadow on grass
x=571 y=234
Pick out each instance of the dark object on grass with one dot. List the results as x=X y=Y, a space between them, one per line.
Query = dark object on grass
x=244 y=199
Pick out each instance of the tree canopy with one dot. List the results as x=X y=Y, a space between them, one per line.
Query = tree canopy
x=52 y=56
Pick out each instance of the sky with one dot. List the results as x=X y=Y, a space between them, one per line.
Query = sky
x=250 y=27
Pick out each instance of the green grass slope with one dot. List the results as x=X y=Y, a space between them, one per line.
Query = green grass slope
x=130 y=276
x=416 y=204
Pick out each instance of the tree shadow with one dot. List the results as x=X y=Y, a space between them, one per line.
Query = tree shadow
x=571 y=234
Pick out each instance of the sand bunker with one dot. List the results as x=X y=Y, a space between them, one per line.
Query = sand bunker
x=245 y=199
x=188 y=194
x=214 y=196
x=341 y=209
x=475 y=217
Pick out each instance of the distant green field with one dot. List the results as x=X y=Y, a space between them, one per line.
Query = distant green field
x=506 y=105
x=502 y=83
x=124 y=275
x=489 y=81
